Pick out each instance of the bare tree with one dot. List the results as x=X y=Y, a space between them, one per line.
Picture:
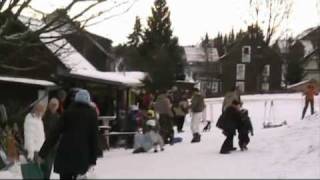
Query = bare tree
x=18 y=32
x=271 y=16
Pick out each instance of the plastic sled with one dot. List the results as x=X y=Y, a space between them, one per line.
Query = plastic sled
x=272 y=125
x=177 y=140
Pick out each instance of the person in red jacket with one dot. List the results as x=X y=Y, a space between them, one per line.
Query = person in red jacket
x=309 y=93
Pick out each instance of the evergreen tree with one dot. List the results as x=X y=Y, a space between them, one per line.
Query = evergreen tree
x=231 y=37
x=205 y=45
x=136 y=35
x=162 y=55
x=218 y=43
x=295 y=69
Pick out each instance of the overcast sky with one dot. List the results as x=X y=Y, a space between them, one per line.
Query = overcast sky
x=191 y=19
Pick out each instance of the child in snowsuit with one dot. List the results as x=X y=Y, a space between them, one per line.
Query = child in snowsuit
x=153 y=134
x=149 y=137
x=245 y=127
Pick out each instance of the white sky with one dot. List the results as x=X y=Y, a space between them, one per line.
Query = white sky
x=191 y=19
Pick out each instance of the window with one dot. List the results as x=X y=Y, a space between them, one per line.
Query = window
x=241 y=71
x=266 y=70
x=240 y=85
x=246 y=54
x=215 y=86
x=265 y=86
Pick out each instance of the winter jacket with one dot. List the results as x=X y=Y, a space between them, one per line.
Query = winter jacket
x=50 y=121
x=228 y=98
x=197 y=103
x=310 y=93
x=229 y=120
x=163 y=105
x=181 y=109
x=78 y=144
x=245 y=126
x=34 y=135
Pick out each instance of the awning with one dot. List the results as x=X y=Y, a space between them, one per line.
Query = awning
x=30 y=81
x=130 y=79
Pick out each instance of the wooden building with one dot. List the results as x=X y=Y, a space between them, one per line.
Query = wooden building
x=250 y=65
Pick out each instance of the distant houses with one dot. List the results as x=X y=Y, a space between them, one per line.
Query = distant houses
x=201 y=67
x=310 y=41
x=252 y=66
x=248 y=64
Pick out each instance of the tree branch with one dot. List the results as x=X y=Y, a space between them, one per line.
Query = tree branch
x=21 y=8
x=115 y=15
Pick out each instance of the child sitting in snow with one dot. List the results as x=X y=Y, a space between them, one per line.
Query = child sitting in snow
x=143 y=142
x=153 y=133
x=245 y=127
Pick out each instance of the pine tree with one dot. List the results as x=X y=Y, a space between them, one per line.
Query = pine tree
x=162 y=54
x=205 y=45
x=295 y=69
x=136 y=35
x=231 y=37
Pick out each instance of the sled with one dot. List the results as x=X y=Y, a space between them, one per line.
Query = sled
x=177 y=140
x=273 y=125
x=31 y=170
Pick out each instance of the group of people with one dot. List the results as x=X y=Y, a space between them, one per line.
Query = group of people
x=66 y=134
x=156 y=115
x=68 y=137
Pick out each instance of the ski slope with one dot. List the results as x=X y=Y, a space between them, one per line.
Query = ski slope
x=291 y=151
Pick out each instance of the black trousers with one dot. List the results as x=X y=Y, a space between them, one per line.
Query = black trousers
x=228 y=143
x=307 y=102
x=47 y=165
x=67 y=176
x=166 y=128
x=179 y=122
x=243 y=139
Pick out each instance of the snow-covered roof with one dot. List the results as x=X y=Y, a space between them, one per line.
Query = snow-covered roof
x=197 y=54
x=76 y=63
x=66 y=53
x=306 y=32
x=27 y=81
x=308 y=47
x=122 y=78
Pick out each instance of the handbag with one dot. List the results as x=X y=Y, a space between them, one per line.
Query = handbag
x=31 y=170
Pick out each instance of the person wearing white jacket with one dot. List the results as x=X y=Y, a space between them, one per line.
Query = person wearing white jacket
x=34 y=135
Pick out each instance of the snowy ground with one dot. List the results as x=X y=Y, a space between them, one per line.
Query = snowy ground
x=291 y=151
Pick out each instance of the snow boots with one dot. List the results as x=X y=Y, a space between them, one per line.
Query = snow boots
x=196 y=138
x=207 y=127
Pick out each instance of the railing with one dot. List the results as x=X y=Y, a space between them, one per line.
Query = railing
x=260 y=107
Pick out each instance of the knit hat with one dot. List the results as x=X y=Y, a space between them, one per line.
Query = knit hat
x=82 y=96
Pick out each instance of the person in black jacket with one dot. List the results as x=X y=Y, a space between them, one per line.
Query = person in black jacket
x=244 y=129
x=50 y=121
x=77 y=132
x=229 y=121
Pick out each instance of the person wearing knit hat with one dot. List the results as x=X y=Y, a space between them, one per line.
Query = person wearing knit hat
x=82 y=96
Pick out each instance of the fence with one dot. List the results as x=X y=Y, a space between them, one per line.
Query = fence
x=285 y=106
